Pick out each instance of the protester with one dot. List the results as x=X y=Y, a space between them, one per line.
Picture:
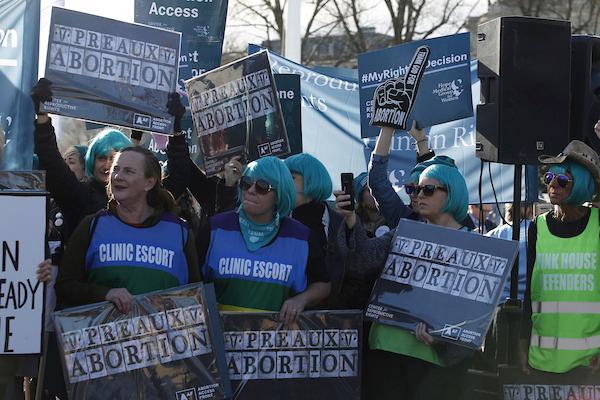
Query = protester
x=74 y=156
x=560 y=327
x=258 y=257
x=474 y=216
x=136 y=245
x=403 y=365
x=76 y=199
x=366 y=209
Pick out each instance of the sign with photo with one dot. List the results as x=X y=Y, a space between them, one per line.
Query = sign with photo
x=449 y=279
x=111 y=71
x=23 y=239
x=444 y=93
x=236 y=112
x=320 y=351
x=168 y=346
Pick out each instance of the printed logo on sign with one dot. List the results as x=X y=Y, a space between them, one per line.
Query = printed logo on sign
x=141 y=120
x=449 y=91
x=264 y=150
x=451 y=332
x=187 y=394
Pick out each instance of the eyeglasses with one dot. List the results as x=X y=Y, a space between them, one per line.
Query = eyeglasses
x=562 y=179
x=428 y=190
x=409 y=188
x=261 y=186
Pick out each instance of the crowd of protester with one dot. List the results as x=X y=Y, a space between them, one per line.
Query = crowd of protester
x=323 y=254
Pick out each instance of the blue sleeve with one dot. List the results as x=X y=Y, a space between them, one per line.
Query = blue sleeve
x=388 y=202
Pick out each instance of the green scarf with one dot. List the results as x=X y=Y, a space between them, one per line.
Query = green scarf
x=257 y=235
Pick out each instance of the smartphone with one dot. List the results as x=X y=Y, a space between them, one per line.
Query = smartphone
x=347 y=179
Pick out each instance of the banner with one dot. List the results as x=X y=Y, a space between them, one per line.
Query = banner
x=23 y=238
x=317 y=357
x=452 y=284
x=290 y=99
x=111 y=71
x=445 y=91
x=168 y=346
x=236 y=112
x=19 y=42
x=331 y=132
x=578 y=384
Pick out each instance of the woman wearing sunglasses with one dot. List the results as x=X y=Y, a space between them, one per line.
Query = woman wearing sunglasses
x=560 y=329
x=402 y=365
x=258 y=257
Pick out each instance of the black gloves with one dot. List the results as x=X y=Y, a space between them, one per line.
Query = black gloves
x=41 y=92
x=176 y=109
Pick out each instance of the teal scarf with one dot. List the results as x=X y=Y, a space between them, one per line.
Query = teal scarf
x=257 y=235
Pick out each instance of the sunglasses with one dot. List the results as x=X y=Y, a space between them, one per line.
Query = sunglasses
x=428 y=190
x=409 y=188
x=261 y=186
x=562 y=179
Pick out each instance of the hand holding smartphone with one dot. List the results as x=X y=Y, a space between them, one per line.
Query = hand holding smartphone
x=347 y=180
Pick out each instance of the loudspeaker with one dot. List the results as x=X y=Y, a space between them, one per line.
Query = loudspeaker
x=525 y=74
x=585 y=88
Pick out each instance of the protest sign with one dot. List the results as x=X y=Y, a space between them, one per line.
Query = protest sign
x=451 y=284
x=111 y=71
x=290 y=99
x=321 y=350
x=445 y=86
x=236 y=112
x=578 y=384
x=23 y=217
x=168 y=346
x=19 y=45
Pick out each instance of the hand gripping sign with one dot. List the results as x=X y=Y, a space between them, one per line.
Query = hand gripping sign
x=394 y=98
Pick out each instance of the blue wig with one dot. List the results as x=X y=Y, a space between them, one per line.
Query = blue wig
x=458 y=195
x=102 y=144
x=420 y=167
x=274 y=171
x=584 y=186
x=317 y=183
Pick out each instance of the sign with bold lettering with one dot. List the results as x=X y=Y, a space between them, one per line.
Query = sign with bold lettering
x=290 y=99
x=320 y=351
x=449 y=279
x=578 y=384
x=169 y=344
x=236 y=112
x=23 y=244
x=444 y=92
x=111 y=71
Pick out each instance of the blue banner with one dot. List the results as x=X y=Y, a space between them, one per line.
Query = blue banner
x=331 y=132
x=19 y=46
x=445 y=86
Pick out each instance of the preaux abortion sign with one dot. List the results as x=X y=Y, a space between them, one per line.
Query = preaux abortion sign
x=21 y=294
x=236 y=112
x=169 y=344
x=111 y=71
x=320 y=350
x=452 y=285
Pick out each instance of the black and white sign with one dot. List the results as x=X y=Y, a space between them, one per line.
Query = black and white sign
x=170 y=343
x=23 y=238
x=236 y=112
x=449 y=279
x=318 y=357
x=393 y=100
x=111 y=71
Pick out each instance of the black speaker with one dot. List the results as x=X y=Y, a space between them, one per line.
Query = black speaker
x=585 y=88
x=525 y=74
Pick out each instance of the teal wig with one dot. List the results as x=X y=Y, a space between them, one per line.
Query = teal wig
x=274 y=171
x=420 y=167
x=458 y=195
x=102 y=144
x=584 y=186
x=317 y=182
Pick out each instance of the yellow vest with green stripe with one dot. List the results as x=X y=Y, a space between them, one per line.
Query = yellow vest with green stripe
x=565 y=298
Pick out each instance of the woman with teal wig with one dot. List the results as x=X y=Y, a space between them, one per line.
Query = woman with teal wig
x=257 y=256
x=567 y=239
x=400 y=364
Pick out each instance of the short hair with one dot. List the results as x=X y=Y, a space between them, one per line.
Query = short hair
x=274 y=171
x=105 y=141
x=458 y=194
x=584 y=185
x=317 y=182
x=420 y=167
